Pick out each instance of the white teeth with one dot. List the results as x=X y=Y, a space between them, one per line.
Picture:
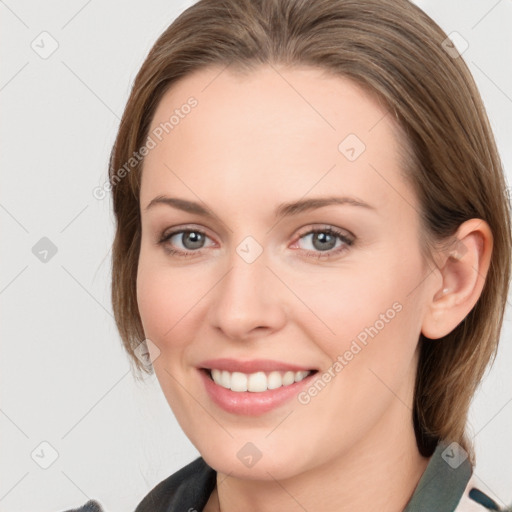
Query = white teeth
x=274 y=380
x=256 y=382
x=289 y=378
x=225 y=379
x=238 y=381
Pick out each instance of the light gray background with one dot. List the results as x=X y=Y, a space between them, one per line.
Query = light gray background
x=64 y=377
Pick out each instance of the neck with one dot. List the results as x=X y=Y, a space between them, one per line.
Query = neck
x=379 y=473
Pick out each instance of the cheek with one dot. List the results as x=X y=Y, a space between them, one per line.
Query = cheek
x=371 y=355
x=375 y=314
x=364 y=303
x=155 y=307
x=168 y=300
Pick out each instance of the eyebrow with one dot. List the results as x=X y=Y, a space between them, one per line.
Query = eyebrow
x=283 y=210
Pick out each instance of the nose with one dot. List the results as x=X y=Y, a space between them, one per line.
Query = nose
x=248 y=302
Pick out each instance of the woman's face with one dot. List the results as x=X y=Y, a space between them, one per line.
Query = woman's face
x=251 y=282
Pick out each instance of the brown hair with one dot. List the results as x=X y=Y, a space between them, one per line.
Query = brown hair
x=389 y=47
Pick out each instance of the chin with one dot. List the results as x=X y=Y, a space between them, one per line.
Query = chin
x=247 y=462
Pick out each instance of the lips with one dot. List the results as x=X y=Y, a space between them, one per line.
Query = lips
x=260 y=400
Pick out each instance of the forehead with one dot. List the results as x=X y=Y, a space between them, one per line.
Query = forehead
x=280 y=126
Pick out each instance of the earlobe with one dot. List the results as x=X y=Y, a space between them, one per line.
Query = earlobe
x=463 y=269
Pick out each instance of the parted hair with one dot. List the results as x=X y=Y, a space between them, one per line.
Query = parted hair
x=396 y=52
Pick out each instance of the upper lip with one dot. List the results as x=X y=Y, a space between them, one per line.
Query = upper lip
x=252 y=366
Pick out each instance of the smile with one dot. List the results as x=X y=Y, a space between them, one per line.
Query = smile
x=256 y=382
x=254 y=387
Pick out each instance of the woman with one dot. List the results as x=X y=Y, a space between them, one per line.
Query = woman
x=313 y=250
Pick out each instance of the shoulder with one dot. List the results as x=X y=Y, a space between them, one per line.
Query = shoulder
x=90 y=506
x=188 y=488
x=475 y=500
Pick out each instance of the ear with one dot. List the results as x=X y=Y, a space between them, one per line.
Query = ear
x=463 y=270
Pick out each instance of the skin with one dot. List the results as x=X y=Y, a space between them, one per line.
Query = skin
x=252 y=143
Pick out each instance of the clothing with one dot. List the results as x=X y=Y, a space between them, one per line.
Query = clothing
x=445 y=486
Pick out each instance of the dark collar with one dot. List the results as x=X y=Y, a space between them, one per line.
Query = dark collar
x=439 y=489
x=186 y=490
x=443 y=483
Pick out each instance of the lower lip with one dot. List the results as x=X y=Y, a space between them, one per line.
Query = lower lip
x=249 y=403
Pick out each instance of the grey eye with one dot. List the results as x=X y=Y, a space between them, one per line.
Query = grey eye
x=190 y=240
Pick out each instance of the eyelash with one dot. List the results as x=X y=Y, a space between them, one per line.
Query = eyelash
x=347 y=241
